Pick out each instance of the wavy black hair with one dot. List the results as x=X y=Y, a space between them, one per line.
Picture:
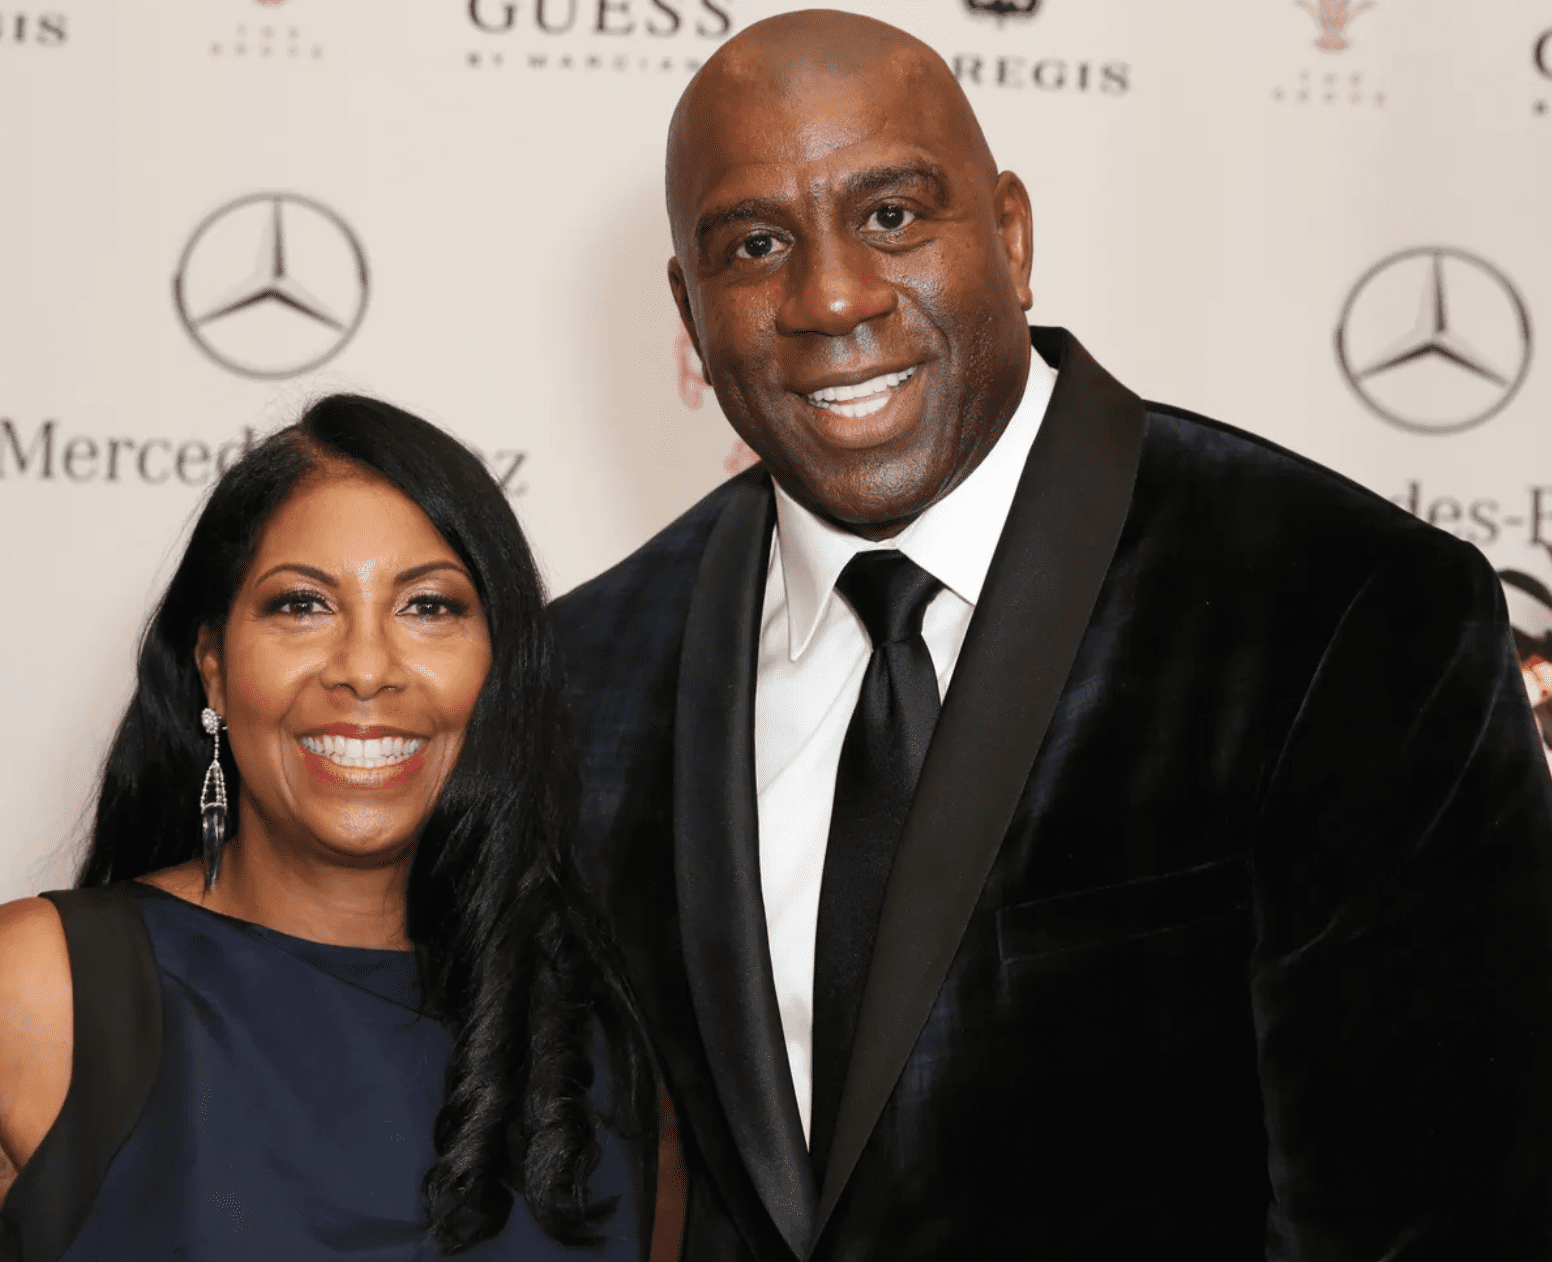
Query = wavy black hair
x=512 y=960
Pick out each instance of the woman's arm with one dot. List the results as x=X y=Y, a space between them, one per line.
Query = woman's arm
x=668 y=1223
x=36 y=1029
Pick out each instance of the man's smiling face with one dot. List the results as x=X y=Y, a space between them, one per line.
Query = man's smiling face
x=851 y=268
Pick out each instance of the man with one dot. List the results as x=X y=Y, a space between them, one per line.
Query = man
x=1210 y=916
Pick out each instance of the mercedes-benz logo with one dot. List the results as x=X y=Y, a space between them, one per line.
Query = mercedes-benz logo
x=1003 y=9
x=1467 y=349
x=271 y=285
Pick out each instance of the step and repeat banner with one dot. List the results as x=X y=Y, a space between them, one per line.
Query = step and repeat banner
x=1323 y=221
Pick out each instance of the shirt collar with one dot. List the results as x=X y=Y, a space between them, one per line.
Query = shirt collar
x=953 y=540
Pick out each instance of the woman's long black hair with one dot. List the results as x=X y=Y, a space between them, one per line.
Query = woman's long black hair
x=512 y=960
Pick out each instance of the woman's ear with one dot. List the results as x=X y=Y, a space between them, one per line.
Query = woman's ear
x=207 y=657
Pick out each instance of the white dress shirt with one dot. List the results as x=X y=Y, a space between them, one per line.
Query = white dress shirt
x=813 y=653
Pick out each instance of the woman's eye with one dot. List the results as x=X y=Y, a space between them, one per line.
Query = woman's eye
x=298 y=604
x=434 y=606
x=891 y=218
x=760 y=246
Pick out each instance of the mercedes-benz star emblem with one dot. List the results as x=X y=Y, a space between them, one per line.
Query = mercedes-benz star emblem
x=1004 y=9
x=1467 y=349
x=271 y=285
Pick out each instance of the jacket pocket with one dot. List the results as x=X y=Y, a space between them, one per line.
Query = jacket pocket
x=1114 y=914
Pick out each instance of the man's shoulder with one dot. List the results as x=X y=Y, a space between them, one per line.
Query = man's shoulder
x=1264 y=495
x=1207 y=443
x=654 y=581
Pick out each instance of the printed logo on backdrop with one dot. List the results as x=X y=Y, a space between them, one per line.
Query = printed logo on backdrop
x=1333 y=18
x=27 y=28
x=1329 y=82
x=1035 y=70
x=1434 y=339
x=597 y=36
x=1541 y=58
x=257 y=32
x=1002 y=10
x=47 y=452
x=271 y=285
x=1514 y=517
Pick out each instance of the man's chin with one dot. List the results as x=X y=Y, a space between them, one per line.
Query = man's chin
x=873 y=512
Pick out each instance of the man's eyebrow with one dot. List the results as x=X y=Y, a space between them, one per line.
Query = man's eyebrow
x=879 y=178
x=749 y=208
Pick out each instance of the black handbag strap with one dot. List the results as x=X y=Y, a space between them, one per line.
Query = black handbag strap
x=117 y=1049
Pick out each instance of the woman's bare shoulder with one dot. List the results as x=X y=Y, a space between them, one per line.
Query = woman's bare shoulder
x=34 y=961
x=36 y=1024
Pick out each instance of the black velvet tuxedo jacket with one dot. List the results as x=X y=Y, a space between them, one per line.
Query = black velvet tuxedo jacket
x=1220 y=924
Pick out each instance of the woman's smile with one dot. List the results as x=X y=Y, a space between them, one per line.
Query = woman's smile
x=362 y=757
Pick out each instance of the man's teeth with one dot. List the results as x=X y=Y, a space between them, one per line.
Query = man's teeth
x=837 y=399
x=347 y=751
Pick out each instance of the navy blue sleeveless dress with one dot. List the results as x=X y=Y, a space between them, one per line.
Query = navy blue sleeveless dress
x=238 y=1094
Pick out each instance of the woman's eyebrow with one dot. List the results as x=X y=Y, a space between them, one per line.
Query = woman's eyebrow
x=415 y=571
x=310 y=571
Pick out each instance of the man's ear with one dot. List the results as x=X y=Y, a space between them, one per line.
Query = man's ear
x=1015 y=225
x=207 y=657
x=686 y=317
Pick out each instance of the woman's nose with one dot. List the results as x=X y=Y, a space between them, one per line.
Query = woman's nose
x=364 y=659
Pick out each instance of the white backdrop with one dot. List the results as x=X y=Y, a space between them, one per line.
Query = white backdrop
x=470 y=224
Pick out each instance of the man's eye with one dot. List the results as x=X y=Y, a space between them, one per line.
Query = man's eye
x=760 y=246
x=891 y=218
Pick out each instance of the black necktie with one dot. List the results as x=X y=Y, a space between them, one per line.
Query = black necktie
x=881 y=760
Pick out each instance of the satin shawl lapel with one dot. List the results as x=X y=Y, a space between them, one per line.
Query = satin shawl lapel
x=717 y=863
x=1045 y=576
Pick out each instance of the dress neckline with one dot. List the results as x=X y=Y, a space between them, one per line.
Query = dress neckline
x=389 y=975
x=276 y=934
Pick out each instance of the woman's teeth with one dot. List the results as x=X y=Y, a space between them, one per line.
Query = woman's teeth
x=347 y=751
x=837 y=398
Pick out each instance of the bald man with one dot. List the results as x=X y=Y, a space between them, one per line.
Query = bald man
x=1040 y=823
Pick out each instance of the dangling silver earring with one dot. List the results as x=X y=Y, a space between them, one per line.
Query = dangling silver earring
x=212 y=802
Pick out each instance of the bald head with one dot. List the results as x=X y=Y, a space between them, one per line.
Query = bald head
x=812 y=63
x=849 y=263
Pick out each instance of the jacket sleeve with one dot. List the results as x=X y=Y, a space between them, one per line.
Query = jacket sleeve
x=1402 y=972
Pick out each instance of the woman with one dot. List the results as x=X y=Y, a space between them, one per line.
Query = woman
x=329 y=986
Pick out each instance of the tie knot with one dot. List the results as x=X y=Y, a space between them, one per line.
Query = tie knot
x=890 y=593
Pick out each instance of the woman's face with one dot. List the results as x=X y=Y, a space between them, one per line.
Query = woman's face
x=347 y=671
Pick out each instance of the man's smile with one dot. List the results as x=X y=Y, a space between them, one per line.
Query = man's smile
x=862 y=399
x=866 y=413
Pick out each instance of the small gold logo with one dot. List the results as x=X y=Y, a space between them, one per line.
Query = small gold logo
x=1333 y=17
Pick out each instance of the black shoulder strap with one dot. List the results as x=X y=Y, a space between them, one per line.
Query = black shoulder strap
x=117 y=1048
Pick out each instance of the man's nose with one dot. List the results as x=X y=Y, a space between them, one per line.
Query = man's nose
x=834 y=285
